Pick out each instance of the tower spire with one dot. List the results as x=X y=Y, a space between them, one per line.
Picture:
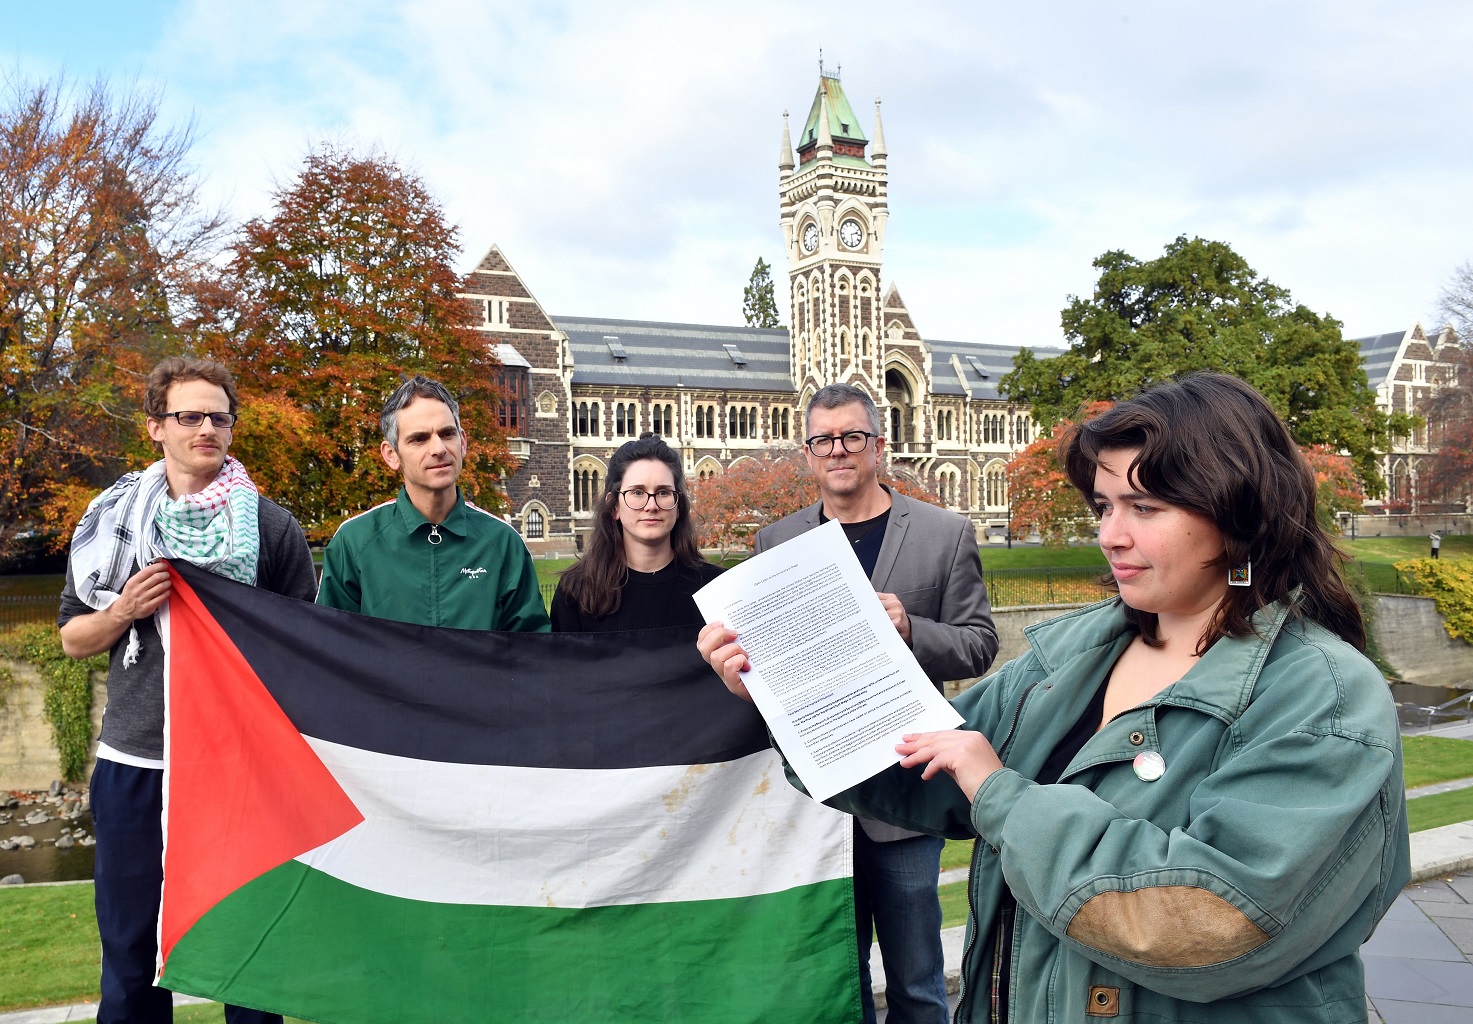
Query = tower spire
x=785 y=155
x=878 y=146
x=825 y=137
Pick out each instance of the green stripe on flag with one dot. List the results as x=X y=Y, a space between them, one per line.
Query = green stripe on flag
x=330 y=951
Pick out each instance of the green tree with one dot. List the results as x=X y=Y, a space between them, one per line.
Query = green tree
x=347 y=289
x=99 y=229
x=1200 y=306
x=758 y=304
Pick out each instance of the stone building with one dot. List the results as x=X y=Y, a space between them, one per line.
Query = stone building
x=1405 y=368
x=582 y=386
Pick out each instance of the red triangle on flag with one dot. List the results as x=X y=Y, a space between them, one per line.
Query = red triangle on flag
x=243 y=791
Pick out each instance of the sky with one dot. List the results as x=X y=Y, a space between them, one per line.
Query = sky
x=624 y=155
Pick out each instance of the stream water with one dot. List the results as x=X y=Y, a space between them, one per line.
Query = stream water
x=43 y=860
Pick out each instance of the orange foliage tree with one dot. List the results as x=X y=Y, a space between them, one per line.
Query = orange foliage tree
x=1043 y=500
x=327 y=305
x=756 y=492
x=100 y=228
x=1338 y=484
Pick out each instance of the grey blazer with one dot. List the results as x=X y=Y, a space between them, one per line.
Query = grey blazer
x=929 y=560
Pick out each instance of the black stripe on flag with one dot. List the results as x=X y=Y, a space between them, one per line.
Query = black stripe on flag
x=537 y=700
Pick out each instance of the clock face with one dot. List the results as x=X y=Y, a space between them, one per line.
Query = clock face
x=851 y=233
x=810 y=237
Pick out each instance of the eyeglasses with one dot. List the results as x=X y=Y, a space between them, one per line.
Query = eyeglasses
x=637 y=498
x=854 y=441
x=220 y=420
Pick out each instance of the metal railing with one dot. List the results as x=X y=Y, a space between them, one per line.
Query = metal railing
x=23 y=609
x=1017 y=588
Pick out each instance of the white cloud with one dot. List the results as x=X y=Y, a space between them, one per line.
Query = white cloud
x=624 y=156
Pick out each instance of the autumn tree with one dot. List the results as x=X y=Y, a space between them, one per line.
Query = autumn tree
x=1449 y=412
x=100 y=226
x=759 y=305
x=1200 y=306
x=755 y=492
x=327 y=305
x=1338 y=485
x=1041 y=498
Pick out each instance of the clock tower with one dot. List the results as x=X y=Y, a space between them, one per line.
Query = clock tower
x=833 y=203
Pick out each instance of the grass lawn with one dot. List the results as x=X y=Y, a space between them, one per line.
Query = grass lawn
x=1394 y=549
x=1429 y=759
x=1443 y=809
x=999 y=556
x=31 y=586
x=48 y=944
x=958 y=854
x=953 y=904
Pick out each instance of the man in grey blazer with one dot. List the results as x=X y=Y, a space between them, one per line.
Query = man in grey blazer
x=923 y=563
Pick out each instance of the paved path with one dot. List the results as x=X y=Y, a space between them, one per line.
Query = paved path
x=1418 y=968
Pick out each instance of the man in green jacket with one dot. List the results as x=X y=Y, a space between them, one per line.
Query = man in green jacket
x=429 y=556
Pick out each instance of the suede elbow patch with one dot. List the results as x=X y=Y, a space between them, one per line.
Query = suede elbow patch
x=1166 y=926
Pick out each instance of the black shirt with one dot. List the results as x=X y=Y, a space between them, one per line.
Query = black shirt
x=648 y=600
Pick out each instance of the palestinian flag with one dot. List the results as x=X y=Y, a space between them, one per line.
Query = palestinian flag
x=368 y=821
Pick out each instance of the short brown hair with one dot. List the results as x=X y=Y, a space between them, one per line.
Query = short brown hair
x=176 y=370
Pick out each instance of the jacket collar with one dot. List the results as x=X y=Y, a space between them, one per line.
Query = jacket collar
x=1221 y=682
x=895 y=528
x=412 y=519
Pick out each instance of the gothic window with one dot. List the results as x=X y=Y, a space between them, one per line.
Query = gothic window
x=662 y=420
x=996 y=487
x=513 y=407
x=534 y=524
x=587 y=487
x=626 y=419
x=864 y=343
x=781 y=424
x=844 y=341
x=705 y=421
x=1024 y=435
x=585 y=419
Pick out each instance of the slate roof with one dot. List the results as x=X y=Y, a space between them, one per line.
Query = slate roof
x=842 y=122
x=982 y=365
x=642 y=353
x=1378 y=355
x=674 y=355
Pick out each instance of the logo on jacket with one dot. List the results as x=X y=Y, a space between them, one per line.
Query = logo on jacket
x=474 y=574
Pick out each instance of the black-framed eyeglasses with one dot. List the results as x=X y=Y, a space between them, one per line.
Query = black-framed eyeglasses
x=220 y=420
x=854 y=442
x=637 y=498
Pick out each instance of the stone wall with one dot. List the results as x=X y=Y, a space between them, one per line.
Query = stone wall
x=1414 y=643
x=28 y=758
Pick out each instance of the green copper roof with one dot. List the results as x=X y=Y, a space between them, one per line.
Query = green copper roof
x=842 y=122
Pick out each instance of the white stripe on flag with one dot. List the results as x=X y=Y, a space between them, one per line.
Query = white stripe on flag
x=550 y=837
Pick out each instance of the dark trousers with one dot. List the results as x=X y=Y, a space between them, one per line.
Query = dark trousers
x=895 y=888
x=127 y=815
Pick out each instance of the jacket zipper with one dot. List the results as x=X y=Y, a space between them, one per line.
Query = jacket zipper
x=976 y=851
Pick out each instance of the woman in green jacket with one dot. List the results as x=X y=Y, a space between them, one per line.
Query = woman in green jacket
x=1187 y=800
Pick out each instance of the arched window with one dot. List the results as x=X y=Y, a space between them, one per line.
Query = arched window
x=534 y=524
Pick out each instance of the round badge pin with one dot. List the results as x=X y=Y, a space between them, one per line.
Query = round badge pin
x=1149 y=766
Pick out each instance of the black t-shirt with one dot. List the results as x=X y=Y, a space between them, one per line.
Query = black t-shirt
x=866 y=538
x=648 y=600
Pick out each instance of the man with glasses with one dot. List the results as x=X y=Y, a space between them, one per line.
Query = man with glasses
x=196 y=504
x=429 y=556
x=923 y=562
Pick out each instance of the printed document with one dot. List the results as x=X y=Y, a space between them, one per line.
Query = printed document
x=829 y=671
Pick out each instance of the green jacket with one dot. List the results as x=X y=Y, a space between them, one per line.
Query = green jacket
x=385 y=563
x=1239 y=886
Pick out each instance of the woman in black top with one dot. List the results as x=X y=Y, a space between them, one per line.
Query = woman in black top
x=642 y=563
